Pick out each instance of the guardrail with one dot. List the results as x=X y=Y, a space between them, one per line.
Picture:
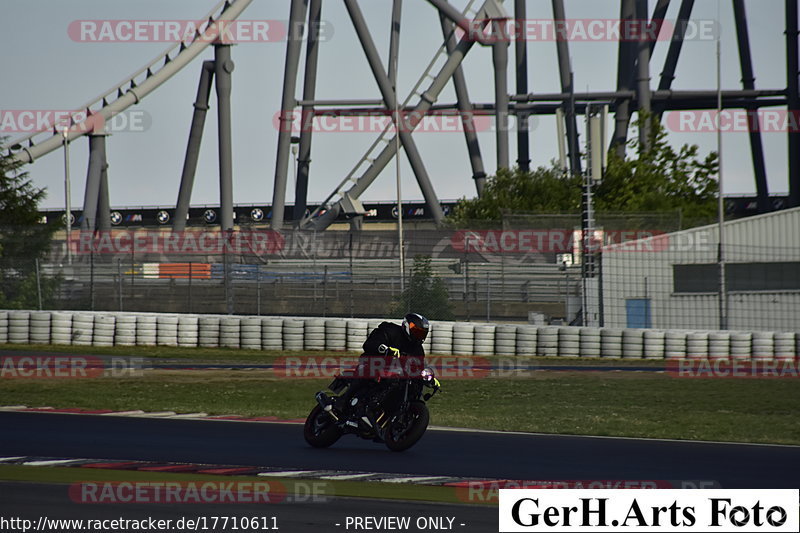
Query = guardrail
x=456 y=338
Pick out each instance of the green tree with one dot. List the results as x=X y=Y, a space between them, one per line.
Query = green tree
x=424 y=293
x=23 y=239
x=661 y=179
x=543 y=190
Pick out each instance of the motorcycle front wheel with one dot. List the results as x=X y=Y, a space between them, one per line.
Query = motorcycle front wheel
x=407 y=427
x=320 y=430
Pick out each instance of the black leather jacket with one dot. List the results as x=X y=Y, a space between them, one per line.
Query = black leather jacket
x=393 y=336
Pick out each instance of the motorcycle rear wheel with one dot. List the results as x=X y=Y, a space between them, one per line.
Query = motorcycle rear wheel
x=407 y=427
x=320 y=430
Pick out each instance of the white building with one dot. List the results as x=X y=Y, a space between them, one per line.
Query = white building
x=672 y=280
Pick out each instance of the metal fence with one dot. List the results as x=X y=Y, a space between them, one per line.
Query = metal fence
x=507 y=274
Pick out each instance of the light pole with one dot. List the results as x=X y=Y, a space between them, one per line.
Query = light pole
x=67 y=194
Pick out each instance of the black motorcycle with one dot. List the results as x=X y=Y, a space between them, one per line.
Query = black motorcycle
x=390 y=409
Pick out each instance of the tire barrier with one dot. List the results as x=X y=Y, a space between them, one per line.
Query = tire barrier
x=230 y=332
x=208 y=331
x=654 y=344
x=272 y=334
x=357 y=331
x=61 y=328
x=340 y=334
x=547 y=341
x=19 y=327
x=39 y=329
x=188 y=331
x=167 y=330
x=463 y=338
x=590 y=342
x=125 y=330
x=250 y=336
x=484 y=339
x=3 y=327
x=336 y=334
x=103 y=334
x=505 y=339
x=569 y=342
x=293 y=335
x=83 y=329
x=632 y=343
x=441 y=338
x=610 y=342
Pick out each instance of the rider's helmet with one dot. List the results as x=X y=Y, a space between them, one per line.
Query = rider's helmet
x=416 y=326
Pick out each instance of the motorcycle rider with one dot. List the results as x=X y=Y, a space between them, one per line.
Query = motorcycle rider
x=386 y=344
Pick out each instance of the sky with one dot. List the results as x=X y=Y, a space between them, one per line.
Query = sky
x=47 y=68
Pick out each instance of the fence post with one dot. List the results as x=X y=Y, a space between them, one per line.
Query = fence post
x=189 y=309
x=488 y=298
x=119 y=283
x=258 y=290
x=325 y=293
x=38 y=283
x=91 y=279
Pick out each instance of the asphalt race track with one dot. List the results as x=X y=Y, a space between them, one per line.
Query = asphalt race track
x=440 y=452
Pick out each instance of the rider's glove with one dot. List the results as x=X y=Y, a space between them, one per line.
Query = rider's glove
x=388 y=350
x=436 y=384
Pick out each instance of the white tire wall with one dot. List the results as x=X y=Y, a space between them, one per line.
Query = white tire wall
x=272 y=334
x=763 y=345
x=463 y=338
x=19 y=327
x=314 y=335
x=357 y=331
x=104 y=330
x=208 y=329
x=527 y=341
x=785 y=346
x=505 y=339
x=654 y=344
x=167 y=330
x=610 y=342
x=632 y=343
x=719 y=345
x=250 y=333
x=188 y=331
x=569 y=341
x=230 y=332
x=61 y=328
x=675 y=344
x=547 y=341
x=484 y=339
x=83 y=329
x=590 y=342
x=697 y=345
x=336 y=334
x=442 y=338
x=3 y=327
x=741 y=345
x=40 y=327
x=293 y=335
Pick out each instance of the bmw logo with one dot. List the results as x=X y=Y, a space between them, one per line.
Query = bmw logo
x=162 y=217
x=116 y=218
x=71 y=218
x=257 y=215
x=210 y=216
x=394 y=212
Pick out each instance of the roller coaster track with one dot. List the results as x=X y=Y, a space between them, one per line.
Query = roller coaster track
x=131 y=90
